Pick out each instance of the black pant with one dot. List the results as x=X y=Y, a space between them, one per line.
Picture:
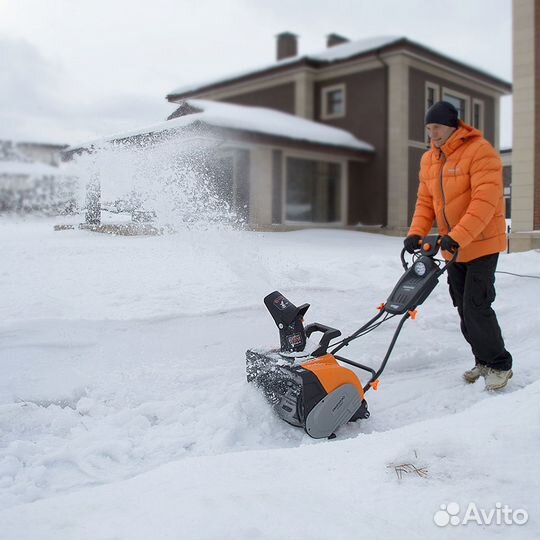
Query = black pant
x=472 y=288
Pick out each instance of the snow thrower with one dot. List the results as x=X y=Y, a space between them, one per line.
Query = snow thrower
x=311 y=389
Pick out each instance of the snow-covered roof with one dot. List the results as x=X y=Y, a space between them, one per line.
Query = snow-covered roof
x=252 y=119
x=332 y=54
x=23 y=168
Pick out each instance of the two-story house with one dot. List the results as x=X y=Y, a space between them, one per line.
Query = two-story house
x=376 y=89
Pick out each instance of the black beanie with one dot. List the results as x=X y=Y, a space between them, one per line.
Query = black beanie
x=443 y=113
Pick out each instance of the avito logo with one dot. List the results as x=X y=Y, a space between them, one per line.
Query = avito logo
x=450 y=514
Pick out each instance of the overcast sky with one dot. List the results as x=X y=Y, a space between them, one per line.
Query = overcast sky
x=71 y=70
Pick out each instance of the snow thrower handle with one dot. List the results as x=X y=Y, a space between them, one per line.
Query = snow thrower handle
x=328 y=333
x=429 y=246
x=447 y=263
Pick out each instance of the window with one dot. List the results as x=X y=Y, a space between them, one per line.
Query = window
x=478 y=114
x=430 y=97
x=459 y=101
x=333 y=101
x=432 y=94
x=313 y=191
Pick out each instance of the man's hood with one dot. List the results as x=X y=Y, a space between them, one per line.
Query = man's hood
x=463 y=133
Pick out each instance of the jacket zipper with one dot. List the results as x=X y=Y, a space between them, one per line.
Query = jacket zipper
x=442 y=189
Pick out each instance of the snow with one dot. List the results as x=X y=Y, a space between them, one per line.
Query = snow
x=252 y=119
x=124 y=411
x=353 y=48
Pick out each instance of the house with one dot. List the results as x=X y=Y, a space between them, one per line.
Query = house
x=526 y=128
x=30 y=178
x=376 y=89
x=241 y=150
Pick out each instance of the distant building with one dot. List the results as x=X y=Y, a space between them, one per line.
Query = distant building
x=30 y=178
x=526 y=129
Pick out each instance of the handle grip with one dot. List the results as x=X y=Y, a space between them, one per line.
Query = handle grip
x=428 y=246
x=328 y=333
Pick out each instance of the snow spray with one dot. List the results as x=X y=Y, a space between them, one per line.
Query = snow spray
x=173 y=182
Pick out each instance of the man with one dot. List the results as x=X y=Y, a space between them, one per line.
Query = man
x=461 y=188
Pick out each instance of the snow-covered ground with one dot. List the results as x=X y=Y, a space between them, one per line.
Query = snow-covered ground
x=124 y=411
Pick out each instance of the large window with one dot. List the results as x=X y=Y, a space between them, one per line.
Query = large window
x=313 y=191
x=333 y=101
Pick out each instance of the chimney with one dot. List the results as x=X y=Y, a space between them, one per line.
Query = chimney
x=287 y=45
x=335 y=39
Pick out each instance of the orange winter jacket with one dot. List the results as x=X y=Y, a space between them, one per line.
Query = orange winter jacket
x=461 y=187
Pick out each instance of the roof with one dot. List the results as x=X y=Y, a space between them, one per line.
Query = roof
x=257 y=120
x=337 y=53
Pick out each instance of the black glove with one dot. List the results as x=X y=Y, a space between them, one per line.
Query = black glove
x=449 y=244
x=412 y=243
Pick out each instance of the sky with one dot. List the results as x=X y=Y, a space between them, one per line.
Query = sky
x=73 y=70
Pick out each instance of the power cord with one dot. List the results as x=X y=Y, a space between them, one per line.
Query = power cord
x=517 y=275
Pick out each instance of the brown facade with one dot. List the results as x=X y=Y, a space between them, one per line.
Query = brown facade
x=360 y=197
x=417 y=93
x=280 y=98
x=366 y=118
x=536 y=216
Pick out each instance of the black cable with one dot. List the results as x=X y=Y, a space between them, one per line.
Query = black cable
x=367 y=330
x=348 y=339
x=353 y=335
x=503 y=272
x=517 y=275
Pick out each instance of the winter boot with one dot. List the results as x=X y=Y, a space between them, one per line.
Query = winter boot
x=472 y=375
x=496 y=378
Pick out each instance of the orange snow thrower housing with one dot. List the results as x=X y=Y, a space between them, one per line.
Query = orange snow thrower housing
x=316 y=393
x=332 y=375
